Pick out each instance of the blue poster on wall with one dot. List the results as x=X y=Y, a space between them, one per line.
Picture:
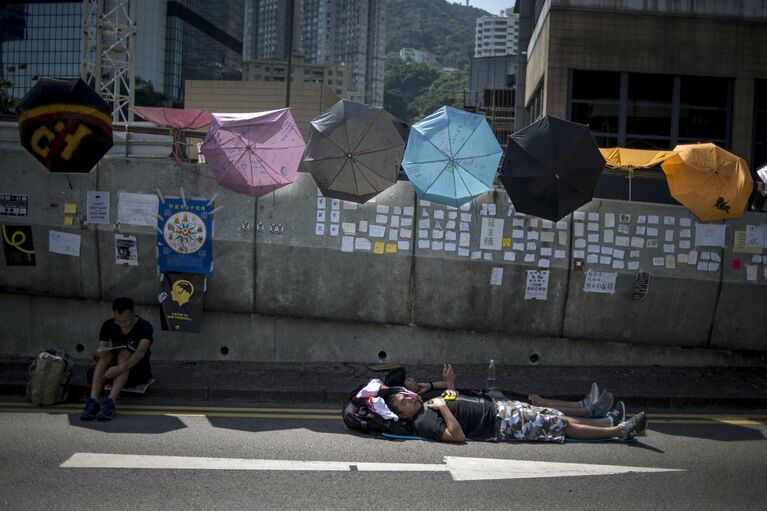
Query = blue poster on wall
x=185 y=233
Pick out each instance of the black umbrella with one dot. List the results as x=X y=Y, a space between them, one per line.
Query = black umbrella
x=354 y=151
x=65 y=124
x=551 y=167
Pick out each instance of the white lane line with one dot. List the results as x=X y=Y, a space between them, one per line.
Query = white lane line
x=461 y=469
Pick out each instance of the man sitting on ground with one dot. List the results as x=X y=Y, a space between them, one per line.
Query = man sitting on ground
x=122 y=356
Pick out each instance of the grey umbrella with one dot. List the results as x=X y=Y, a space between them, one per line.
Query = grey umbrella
x=354 y=151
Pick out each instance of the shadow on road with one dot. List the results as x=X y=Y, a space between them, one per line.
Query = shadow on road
x=142 y=424
x=259 y=425
x=719 y=431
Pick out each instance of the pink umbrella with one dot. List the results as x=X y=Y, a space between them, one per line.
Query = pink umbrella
x=254 y=153
x=176 y=119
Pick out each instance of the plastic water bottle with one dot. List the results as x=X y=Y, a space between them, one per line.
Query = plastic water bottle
x=491 y=375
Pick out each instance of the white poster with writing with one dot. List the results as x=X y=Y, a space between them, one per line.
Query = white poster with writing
x=97 y=207
x=137 y=209
x=64 y=243
x=600 y=282
x=537 y=285
x=491 y=237
x=756 y=236
x=709 y=235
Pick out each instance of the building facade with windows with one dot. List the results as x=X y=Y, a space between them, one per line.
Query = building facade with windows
x=496 y=35
x=681 y=72
x=40 y=39
x=176 y=40
x=348 y=33
x=337 y=78
x=203 y=42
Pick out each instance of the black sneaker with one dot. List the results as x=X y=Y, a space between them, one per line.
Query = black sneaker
x=618 y=414
x=90 y=410
x=108 y=411
x=632 y=427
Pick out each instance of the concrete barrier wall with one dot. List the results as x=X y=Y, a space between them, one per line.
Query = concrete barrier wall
x=410 y=268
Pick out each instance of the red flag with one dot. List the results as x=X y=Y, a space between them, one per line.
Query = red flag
x=11 y=69
x=22 y=66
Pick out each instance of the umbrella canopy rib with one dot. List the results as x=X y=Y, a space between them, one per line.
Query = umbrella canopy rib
x=364 y=132
x=435 y=147
x=464 y=182
x=436 y=177
x=268 y=166
x=465 y=141
x=465 y=169
x=371 y=170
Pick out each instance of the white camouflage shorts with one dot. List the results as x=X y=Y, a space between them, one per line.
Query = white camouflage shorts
x=521 y=421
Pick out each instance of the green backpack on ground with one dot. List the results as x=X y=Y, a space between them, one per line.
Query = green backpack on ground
x=48 y=377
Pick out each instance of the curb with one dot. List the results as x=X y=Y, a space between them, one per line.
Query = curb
x=170 y=394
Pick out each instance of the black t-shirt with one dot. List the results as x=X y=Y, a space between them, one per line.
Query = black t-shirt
x=476 y=415
x=111 y=332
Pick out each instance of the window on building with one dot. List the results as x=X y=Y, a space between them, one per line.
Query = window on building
x=703 y=109
x=596 y=101
x=760 y=125
x=648 y=111
x=651 y=111
x=535 y=108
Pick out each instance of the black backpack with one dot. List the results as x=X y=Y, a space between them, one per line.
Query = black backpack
x=359 y=417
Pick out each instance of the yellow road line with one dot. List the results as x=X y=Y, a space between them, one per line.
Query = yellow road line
x=333 y=414
x=720 y=420
x=75 y=411
x=705 y=415
x=171 y=407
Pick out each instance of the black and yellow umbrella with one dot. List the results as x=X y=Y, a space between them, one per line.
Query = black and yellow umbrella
x=65 y=125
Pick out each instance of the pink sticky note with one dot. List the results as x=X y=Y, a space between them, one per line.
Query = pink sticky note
x=736 y=264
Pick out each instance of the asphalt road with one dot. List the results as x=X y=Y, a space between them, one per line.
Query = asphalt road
x=719 y=457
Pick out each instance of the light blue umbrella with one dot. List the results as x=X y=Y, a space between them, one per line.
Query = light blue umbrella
x=451 y=156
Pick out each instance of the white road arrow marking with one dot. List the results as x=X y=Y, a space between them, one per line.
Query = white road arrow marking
x=472 y=469
x=461 y=469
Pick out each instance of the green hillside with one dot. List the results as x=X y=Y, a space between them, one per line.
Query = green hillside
x=437 y=26
x=412 y=90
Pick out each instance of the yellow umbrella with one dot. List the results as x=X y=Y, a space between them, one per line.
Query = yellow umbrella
x=713 y=183
x=633 y=158
x=630 y=159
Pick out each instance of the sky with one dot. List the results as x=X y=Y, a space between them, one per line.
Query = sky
x=491 y=6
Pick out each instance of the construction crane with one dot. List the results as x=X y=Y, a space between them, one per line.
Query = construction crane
x=109 y=53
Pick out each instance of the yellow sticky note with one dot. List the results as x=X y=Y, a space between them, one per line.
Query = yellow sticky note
x=378 y=247
x=70 y=208
x=506 y=242
x=69 y=220
x=391 y=248
x=739 y=244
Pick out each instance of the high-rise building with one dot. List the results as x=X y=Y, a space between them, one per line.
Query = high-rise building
x=349 y=33
x=40 y=39
x=496 y=35
x=176 y=40
x=266 y=29
x=203 y=42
